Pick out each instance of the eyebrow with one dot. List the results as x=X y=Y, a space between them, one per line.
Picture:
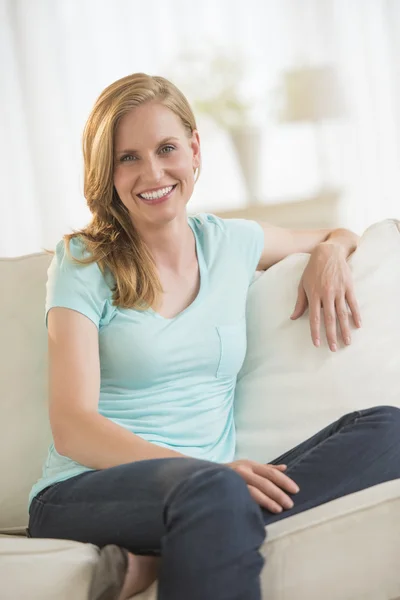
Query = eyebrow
x=131 y=151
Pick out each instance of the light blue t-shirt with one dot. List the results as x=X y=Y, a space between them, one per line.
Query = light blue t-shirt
x=169 y=381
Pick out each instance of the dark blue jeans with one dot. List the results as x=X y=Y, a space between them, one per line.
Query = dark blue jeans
x=200 y=516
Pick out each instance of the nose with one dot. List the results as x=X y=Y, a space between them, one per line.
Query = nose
x=151 y=171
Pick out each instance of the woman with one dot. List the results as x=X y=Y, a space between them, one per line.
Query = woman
x=145 y=313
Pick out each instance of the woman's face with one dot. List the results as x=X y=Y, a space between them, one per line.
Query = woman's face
x=154 y=162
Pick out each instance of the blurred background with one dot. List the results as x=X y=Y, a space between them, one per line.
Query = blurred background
x=297 y=103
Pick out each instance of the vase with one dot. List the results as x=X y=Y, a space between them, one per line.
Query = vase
x=247 y=142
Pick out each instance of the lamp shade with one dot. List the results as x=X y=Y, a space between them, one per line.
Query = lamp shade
x=312 y=94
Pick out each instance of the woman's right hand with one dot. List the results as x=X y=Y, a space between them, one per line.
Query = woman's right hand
x=266 y=484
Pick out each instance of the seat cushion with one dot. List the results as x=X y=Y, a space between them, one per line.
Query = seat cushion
x=287 y=389
x=45 y=569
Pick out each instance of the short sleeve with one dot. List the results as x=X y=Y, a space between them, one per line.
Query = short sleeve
x=246 y=242
x=79 y=287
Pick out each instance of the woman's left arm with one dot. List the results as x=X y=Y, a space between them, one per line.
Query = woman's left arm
x=327 y=280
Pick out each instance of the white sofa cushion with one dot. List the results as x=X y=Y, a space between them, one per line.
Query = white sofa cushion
x=25 y=432
x=287 y=389
x=45 y=569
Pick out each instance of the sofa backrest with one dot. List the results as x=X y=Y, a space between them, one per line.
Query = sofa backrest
x=287 y=389
x=25 y=431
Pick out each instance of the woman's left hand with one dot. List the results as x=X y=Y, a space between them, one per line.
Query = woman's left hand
x=327 y=283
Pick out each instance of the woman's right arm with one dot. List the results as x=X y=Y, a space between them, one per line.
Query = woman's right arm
x=85 y=436
x=79 y=431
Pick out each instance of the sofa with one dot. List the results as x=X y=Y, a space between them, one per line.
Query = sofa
x=347 y=549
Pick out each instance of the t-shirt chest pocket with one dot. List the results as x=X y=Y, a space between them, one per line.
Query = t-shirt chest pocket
x=232 y=339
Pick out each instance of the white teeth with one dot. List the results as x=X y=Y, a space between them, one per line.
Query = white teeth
x=157 y=194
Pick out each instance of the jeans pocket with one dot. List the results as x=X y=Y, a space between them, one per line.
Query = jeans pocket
x=232 y=339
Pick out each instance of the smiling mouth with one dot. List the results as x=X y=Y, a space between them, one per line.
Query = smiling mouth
x=157 y=194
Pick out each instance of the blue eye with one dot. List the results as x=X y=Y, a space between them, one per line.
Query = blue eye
x=167 y=149
x=127 y=158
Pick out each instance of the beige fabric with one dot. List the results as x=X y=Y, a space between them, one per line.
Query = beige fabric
x=347 y=549
x=25 y=433
x=288 y=389
x=45 y=569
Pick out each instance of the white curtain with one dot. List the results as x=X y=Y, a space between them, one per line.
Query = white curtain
x=57 y=55
x=364 y=42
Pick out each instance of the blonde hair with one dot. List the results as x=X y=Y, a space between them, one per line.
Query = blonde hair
x=110 y=238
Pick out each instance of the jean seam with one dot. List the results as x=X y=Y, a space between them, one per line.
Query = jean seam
x=353 y=419
x=38 y=501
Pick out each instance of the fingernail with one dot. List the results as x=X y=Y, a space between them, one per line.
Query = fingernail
x=347 y=341
x=317 y=343
x=297 y=489
x=333 y=347
x=289 y=504
x=279 y=509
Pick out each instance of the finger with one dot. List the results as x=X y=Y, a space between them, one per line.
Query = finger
x=264 y=500
x=330 y=322
x=353 y=306
x=279 y=467
x=267 y=487
x=276 y=476
x=282 y=481
x=301 y=303
x=315 y=320
x=343 y=317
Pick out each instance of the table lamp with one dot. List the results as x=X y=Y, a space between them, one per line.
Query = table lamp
x=313 y=95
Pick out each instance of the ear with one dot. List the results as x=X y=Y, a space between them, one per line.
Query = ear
x=195 y=145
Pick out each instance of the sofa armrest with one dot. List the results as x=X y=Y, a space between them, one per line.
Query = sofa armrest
x=343 y=550
x=337 y=509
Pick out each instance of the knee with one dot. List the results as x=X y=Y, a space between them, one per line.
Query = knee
x=386 y=417
x=216 y=488
x=220 y=483
x=388 y=413
x=215 y=507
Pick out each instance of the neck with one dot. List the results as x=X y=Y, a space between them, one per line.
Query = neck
x=172 y=245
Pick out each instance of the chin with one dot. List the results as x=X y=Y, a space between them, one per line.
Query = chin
x=160 y=215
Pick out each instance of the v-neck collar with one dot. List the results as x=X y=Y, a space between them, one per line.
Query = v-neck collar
x=203 y=271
